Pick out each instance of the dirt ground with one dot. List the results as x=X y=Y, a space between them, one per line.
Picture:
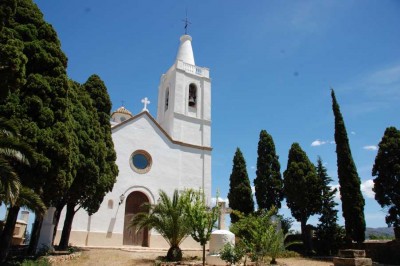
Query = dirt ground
x=146 y=258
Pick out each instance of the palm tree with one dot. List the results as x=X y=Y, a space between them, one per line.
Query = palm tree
x=26 y=198
x=169 y=218
x=12 y=153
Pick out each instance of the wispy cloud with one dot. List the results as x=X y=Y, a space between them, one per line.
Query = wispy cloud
x=376 y=90
x=370 y=148
x=318 y=142
x=366 y=188
x=353 y=132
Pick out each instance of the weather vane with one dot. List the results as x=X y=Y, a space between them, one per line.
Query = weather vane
x=187 y=23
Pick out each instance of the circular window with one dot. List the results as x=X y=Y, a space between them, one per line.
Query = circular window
x=140 y=161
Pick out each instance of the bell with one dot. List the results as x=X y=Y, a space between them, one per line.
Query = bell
x=192 y=102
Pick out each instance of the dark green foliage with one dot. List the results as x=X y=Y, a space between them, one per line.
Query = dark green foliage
x=97 y=91
x=328 y=231
x=387 y=172
x=95 y=170
x=268 y=182
x=302 y=187
x=35 y=83
x=240 y=195
x=349 y=181
x=33 y=96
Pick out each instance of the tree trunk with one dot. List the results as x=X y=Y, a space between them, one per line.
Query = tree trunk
x=56 y=219
x=304 y=235
x=204 y=254
x=35 y=234
x=6 y=236
x=69 y=217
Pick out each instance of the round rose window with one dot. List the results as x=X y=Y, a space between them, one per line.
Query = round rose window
x=140 y=161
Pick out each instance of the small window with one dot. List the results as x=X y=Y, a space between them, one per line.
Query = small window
x=166 y=99
x=192 y=95
x=122 y=118
x=140 y=161
x=110 y=204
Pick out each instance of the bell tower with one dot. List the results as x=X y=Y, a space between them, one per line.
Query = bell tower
x=184 y=99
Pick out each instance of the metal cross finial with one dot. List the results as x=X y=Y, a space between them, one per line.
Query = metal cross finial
x=122 y=103
x=145 y=101
x=187 y=23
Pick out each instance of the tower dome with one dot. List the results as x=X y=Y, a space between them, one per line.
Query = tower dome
x=120 y=115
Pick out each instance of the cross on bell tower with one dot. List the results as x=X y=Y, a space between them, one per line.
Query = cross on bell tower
x=187 y=23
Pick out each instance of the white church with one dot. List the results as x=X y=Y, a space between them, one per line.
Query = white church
x=172 y=151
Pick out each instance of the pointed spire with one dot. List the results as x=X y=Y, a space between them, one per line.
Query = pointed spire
x=185 y=51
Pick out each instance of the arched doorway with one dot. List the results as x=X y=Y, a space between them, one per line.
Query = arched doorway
x=133 y=206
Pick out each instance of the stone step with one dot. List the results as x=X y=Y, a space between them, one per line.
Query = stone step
x=352 y=261
x=352 y=253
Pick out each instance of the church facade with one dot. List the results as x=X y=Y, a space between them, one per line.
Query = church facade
x=172 y=151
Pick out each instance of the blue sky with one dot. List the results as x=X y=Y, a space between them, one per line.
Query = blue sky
x=272 y=65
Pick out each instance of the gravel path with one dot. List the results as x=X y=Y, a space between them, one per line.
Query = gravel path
x=146 y=258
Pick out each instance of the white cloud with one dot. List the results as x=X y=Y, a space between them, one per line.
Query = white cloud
x=253 y=167
x=370 y=148
x=366 y=188
x=253 y=190
x=318 y=143
x=353 y=133
x=337 y=194
x=214 y=201
x=332 y=142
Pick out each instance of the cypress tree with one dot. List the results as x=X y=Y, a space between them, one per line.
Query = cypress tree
x=268 y=182
x=387 y=171
x=302 y=188
x=240 y=195
x=34 y=96
x=96 y=170
x=349 y=181
x=327 y=232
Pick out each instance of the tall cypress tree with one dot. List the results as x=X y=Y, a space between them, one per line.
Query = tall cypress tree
x=302 y=188
x=240 y=195
x=268 y=182
x=96 y=170
x=327 y=230
x=349 y=181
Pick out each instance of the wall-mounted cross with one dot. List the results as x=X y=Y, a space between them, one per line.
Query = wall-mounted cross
x=145 y=101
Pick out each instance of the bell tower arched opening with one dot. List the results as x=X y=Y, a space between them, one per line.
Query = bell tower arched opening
x=192 y=95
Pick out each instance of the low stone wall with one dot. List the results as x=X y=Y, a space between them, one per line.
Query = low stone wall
x=387 y=252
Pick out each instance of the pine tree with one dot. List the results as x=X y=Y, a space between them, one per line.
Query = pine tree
x=327 y=230
x=302 y=188
x=240 y=195
x=387 y=171
x=268 y=182
x=349 y=181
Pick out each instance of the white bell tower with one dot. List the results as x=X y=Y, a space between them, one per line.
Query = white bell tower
x=184 y=99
